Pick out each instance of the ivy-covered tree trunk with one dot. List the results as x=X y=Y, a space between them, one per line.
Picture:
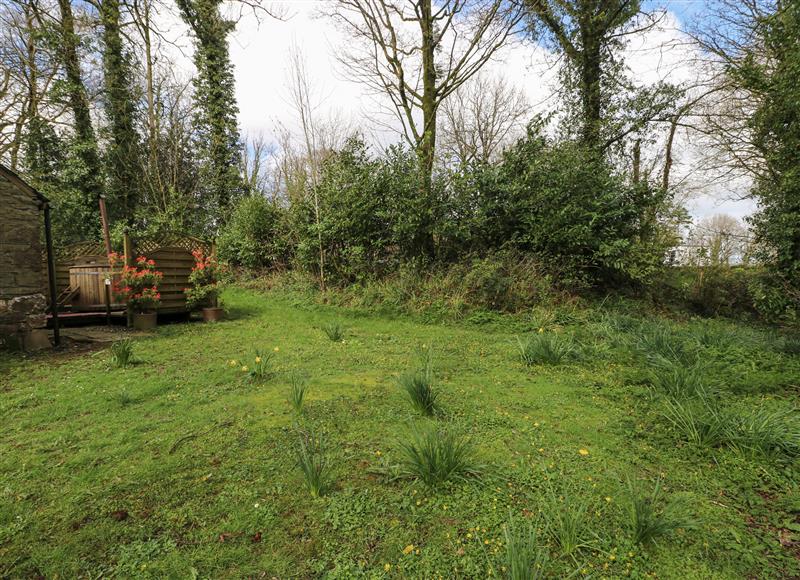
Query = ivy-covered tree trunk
x=122 y=156
x=85 y=174
x=218 y=134
x=426 y=148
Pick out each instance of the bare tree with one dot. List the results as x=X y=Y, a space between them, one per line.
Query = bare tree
x=719 y=240
x=418 y=53
x=481 y=118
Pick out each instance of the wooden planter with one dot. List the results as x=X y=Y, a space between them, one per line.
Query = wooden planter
x=145 y=320
x=212 y=314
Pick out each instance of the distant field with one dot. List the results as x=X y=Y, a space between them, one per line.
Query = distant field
x=182 y=466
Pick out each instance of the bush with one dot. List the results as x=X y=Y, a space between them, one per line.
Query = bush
x=256 y=236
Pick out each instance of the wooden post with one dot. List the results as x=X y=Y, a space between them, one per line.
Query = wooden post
x=104 y=221
x=51 y=274
x=128 y=248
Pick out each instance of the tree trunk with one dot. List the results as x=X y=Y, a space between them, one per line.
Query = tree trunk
x=590 y=82
x=426 y=149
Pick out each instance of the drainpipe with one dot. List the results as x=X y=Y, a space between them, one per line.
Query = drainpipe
x=51 y=274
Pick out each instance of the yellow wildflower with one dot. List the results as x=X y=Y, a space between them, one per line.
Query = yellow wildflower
x=244 y=369
x=387 y=567
x=583 y=451
x=408 y=549
x=258 y=359
x=541 y=330
x=276 y=349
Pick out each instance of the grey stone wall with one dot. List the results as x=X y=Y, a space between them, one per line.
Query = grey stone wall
x=22 y=304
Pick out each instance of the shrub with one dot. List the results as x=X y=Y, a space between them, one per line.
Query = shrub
x=206 y=281
x=436 y=457
x=138 y=284
x=313 y=464
x=526 y=558
x=545 y=348
x=122 y=353
x=334 y=331
x=650 y=517
x=297 y=393
x=256 y=235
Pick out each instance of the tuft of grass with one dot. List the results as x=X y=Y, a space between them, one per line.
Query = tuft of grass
x=658 y=342
x=651 y=517
x=313 y=465
x=678 y=380
x=262 y=369
x=545 y=348
x=124 y=398
x=436 y=457
x=761 y=430
x=526 y=558
x=122 y=353
x=567 y=524
x=334 y=331
x=697 y=420
x=297 y=393
x=418 y=384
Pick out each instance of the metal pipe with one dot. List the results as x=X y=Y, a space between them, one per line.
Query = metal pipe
x=51 y=274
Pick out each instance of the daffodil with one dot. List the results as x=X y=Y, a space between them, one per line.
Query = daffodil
x=244 y=369
x=258 y=360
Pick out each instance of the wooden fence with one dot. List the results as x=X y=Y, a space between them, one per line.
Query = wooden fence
x=172 y=254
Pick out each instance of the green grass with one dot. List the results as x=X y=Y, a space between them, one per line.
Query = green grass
x=182 y=466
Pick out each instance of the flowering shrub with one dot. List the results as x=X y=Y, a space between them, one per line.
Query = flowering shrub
x=206 y=280
x=138 y=284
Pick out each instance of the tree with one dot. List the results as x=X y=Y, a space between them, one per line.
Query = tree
x=480 y=118
x=418 y=53
x=720 y=240
x=590 y=35
x=122 y=153
x=216 y=116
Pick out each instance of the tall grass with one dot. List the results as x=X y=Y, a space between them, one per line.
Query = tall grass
x=418 y=384
x=526 y=557
x=678 y=380
x=297 y=393
x=436 y=457
x=567 y=523
x=545 y=348
x=122 y=353
x=313 y=464
x=658 y=343
x=650 y=516
x=334 y=331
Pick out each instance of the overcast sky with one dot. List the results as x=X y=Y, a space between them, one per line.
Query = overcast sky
x=259 y=52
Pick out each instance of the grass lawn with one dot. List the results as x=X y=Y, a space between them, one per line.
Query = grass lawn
x=181 y=467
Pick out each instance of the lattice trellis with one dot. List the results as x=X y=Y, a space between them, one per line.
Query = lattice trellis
x=147 y=246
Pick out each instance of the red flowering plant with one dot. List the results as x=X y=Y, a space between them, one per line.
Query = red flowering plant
x=137 y=284
x=207 y=278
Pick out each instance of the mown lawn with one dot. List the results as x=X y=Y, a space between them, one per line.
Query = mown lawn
x=180 y=467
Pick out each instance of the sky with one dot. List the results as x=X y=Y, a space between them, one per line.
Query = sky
x=260 y=50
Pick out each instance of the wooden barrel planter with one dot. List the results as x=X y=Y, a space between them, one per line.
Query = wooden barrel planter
x=90 y=279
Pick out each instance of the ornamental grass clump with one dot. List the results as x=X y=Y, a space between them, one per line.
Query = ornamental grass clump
x=650 y=516
x=526 y=556
x=313 y=464
x=436 y=457
x=334 y=331
x=418 y=384
x=122 y=353
x=545 y=348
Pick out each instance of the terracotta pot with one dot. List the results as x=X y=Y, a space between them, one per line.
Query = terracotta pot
x=212 y=314
x=145 y=320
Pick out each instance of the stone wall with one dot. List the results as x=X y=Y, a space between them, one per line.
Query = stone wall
x=22 y=304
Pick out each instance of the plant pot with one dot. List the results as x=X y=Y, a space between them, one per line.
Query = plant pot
x=145 y=320
x=212 y=314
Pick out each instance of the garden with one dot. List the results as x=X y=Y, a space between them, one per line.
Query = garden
x=301 y=439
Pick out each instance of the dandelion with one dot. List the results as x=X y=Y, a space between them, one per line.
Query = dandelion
x=387 y=567
x=378 y=453
x=408 y=549
x=608 y=499
x=541 y=331
x=583 y=451
x=232 y=363
x=276 y=349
